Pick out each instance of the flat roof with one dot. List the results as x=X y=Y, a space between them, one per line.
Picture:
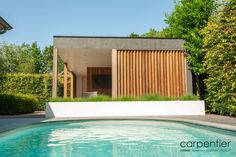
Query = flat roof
x=108 y=37
x=111 y=42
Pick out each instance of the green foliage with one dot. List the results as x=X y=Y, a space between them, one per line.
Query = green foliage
x=157 y=98
x=39 y=85
x=17 y=104
x=126 y=98
x=189 y=97
x=186 y=21
x=220 y=60
x=98 y=98
x=153 y=33
x=26 y=58
x=47 y=57
x=134 y=35
x=107 y=98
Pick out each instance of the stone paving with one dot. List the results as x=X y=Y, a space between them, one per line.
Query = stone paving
x=224 y=122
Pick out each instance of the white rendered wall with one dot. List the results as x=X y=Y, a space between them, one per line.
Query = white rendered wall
x=124 y=108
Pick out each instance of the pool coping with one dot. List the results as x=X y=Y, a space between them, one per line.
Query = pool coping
x=215 y=121
x=174 y=119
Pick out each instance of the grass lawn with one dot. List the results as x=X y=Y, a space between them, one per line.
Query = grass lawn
x=107 y=98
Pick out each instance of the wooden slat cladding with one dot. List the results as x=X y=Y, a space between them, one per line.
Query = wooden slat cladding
x=151 y=72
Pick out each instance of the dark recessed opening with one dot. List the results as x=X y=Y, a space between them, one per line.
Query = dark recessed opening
x=101 y=81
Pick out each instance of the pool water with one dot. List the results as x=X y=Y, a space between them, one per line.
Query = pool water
x=118 y=138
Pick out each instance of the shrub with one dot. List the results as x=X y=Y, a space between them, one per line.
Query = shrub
x=39 y=85
x=17 y=104
x=220 y=61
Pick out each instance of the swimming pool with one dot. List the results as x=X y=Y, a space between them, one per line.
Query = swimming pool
x=104 y=138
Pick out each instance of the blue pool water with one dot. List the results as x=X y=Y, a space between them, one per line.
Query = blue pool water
x=118 y=138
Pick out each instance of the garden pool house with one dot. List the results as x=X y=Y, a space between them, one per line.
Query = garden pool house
x=122 y=66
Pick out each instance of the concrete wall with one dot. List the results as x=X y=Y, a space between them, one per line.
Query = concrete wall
x=122 y=108
x=117 y=43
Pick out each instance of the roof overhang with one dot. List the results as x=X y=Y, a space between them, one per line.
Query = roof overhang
x=125 y=43
x=4 y=26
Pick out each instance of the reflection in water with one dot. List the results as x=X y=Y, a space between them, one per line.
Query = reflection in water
x=111 y=138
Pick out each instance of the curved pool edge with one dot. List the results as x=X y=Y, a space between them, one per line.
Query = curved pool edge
x=33 y=121
x=190 y=121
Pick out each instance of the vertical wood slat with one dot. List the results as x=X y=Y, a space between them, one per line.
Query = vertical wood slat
x=149 y=73
x=180 y=74
x=127 y=73
x=124 y=78
x=174 y=74
x=134 y=75
x=158 y=73
x=122 y=73
x=137 y=73
x=65 y=80
x=131 y=73
x=168 y=72
x=145 y=72
x=177 y=73
x=118 y=74
x=164 y=73
x=140 y=73
x=184 y=73
x=155 y=73
x=161 y=74
x=171 y=73
x=152 y=66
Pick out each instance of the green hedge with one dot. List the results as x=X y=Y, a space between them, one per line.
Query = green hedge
x=220 y=60
x=39 y=85
x=17 y=104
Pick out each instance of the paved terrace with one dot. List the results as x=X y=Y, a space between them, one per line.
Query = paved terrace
x=223 y=122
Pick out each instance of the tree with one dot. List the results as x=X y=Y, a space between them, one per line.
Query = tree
x=153 y=33
x=134 y=35
x=220 y=61
x=25 y=59
x=48 y=58
x=37 y=57
x=8 y=58
x=186 y=21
